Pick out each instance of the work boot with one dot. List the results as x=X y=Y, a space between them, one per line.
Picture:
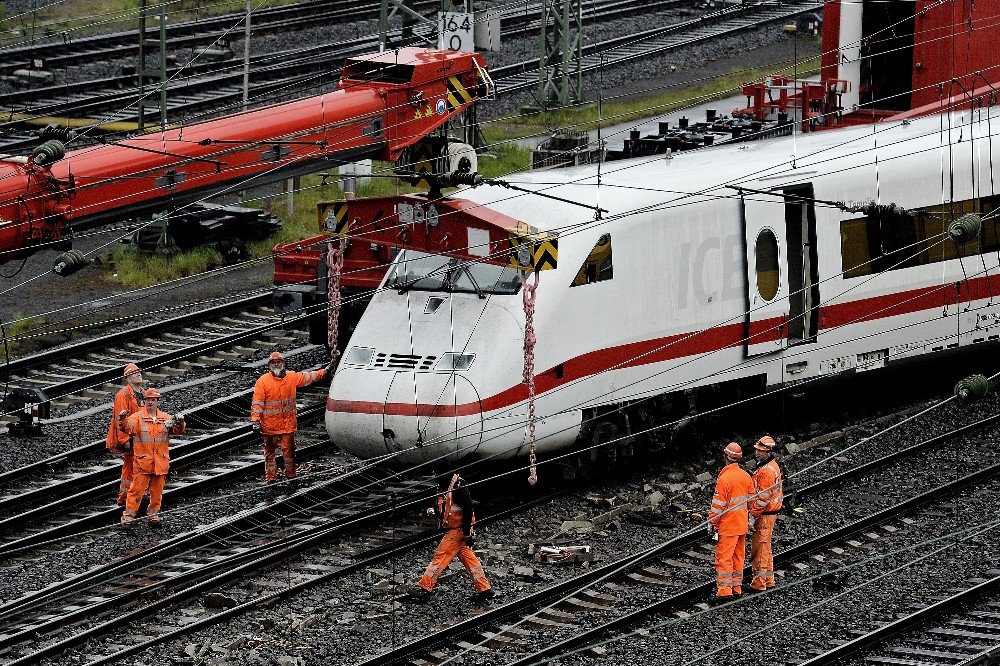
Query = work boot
x=418 y=595
x=121 y=499
x=484 y=596
x=155 y=521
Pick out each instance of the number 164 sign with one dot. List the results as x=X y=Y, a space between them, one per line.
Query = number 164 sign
x=455 y=31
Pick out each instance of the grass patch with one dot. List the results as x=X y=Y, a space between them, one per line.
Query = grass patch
x=21 y=325
x=623 y=110
x=128 y=267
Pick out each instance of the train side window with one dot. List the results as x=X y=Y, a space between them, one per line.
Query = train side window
x=856 y=260
x=766 y=261
x=598 y=266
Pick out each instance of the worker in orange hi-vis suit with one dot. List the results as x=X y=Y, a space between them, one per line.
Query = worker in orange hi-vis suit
x=729 y=519
x=454 y=511
x=129 y=398
x=764 y=510
x=274 y=413
x=150 y=430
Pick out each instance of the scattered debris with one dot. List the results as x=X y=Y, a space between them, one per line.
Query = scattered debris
x=577 y=526
x=564 y=555
x=703 y=477
x=526 y=573
x=219 y=601
x=654 y=499
x=601 y=501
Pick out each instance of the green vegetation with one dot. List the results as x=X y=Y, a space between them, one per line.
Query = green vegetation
x=19 y=327
x=137 y=270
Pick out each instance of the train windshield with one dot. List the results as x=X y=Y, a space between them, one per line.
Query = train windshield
x=429 y=272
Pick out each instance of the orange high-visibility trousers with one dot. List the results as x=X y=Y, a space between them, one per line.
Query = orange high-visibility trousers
x=155 y=483
x=451 y=545
x=126 y=478
x=761 y=554
x=730 y=554
x=287 y=443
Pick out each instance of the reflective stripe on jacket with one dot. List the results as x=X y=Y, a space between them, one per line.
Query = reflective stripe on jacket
x=150 y=443
x=767 y=481
x=733 y=491
x=125 y=399
x=274 y=400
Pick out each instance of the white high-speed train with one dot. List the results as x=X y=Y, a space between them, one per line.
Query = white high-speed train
x=723 y=271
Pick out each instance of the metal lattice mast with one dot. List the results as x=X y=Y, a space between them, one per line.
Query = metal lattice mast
x=560 y=82
x=157 y=75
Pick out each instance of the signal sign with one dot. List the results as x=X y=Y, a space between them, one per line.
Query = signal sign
x=456 y=31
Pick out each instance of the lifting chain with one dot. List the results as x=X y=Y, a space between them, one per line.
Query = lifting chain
x=528 y=298
x=335 y=251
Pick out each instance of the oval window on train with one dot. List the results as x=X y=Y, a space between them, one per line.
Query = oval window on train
x=766 y=252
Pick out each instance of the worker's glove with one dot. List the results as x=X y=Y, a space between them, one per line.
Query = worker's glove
x=171 y=422
x=328 y=368
x=127 y=446
x=709 y=528
x=470 y=540
x=430 y=511
x=255 y=425
x=122 y=414
x=179 y=418
x=753 y=524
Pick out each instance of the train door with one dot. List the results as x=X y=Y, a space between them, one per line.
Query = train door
x=803 y=269
x=767 y=275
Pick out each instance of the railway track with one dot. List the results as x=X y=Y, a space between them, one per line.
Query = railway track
x=963 y=628
x=64 y=49
x=91 y=369
x=217 y=86
x=674 y=574
x=212 y=574
x=74 y=491
x=622 y=50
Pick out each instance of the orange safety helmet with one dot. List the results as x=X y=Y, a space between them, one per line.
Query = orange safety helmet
x=733 y=451
x=130 y=369
x=151 y=393
x=765 y=443
x=275 y=356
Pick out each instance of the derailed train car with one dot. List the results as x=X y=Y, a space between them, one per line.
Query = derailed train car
x=744 y=266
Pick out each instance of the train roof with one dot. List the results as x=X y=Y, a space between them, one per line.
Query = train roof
x=708 y=173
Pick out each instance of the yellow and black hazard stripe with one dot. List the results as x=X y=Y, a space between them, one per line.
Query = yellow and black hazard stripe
x=334 y=217
x=536 y=251
x=457 y=96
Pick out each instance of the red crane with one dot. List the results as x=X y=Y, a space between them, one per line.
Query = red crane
x=383 y=104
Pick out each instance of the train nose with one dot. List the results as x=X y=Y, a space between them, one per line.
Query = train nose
x=413 y=417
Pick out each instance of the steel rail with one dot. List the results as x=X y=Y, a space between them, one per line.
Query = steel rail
x=183 y=34
x=217 y=88
x=193 y=582
x=218 y=413
x=904 y=624
x=370 y=558
x=150 y=361
x=198 y=451
x=700 y=591
x=619 y=50
x=99 y=343
x=679 y=543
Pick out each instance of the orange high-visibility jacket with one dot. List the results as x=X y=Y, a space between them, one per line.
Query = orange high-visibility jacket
x=450 y=512
x=150 y=444
x=274 y=400
x=767 y=481
x=733 y=491
x=125 y=399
